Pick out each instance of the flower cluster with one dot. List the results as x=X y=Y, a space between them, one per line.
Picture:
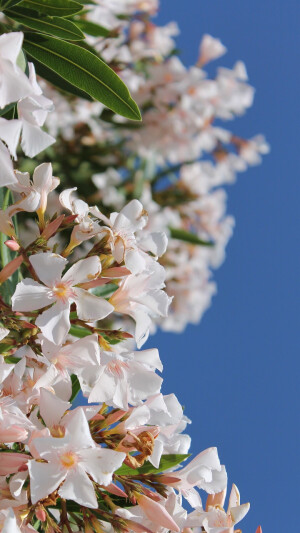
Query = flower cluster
x=92 y=261
x=108 y=465
x=177 y=161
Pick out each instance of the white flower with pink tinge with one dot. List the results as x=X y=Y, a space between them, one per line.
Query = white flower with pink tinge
x=142 y=298
x=120 y=230
x=14 y=84
x=8 y=522
x=69 y=461
x=204 y=472
x=127 y=378
x=60 y=291
x=215 y=519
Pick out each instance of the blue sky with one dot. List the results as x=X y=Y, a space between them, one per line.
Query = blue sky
x=237 y=373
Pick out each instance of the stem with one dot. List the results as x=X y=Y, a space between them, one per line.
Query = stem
x=64 y=516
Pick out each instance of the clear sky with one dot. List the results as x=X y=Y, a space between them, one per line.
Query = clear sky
x=237 y=373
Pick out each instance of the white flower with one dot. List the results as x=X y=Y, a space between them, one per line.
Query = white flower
x=8 y=522
x=142 y=298
x=210 y=48
x=7 y=175
x=70 y=461
x=127 y=378
x=214 y=519
x=33 y=192
x=32 y=113
x=60 y=291
x=14 y=84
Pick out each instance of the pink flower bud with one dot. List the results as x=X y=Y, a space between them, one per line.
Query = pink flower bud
x=10 y=268
x=156 y=512
x=12 y=245
x=11 y=463
x=114 y=489
x=13 y=434
x=41 y=514
x=52 y=228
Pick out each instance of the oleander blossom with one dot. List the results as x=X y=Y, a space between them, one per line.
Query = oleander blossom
x=60 y=291
x=125 y=240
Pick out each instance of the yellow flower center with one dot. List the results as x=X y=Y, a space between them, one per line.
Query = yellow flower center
x=68 y=459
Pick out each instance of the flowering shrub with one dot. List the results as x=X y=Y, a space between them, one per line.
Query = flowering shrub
x=91 y=262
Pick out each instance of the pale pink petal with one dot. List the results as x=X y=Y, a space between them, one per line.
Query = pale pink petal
x=14 y=84
x=34 y=140
x=238 y=513
x=65 y=199
x=157 y=513
x=234 y=498
x=78 y=429
x=10 y=131
x=149 y=357
x=135 y=261
x=44 y=479
x=30 y=295
x=83 y=271
x=79 y=488
x=48 y=267
x=91 y=307
x=55 y=322
x=101 y=463
x=7 y=176
x=10 y=45
x=42 y=177
x=10 y=524
x=52 y=408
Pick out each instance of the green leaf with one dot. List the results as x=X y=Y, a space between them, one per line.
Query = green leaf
x=79 y=332
x=75 y=387
x=166 y=462
x=7 y=4
x=59 y=82
x=84 y=70
x=60 y=27
x=106 y=290
x=8 y=111
x=187 y=236
x=91 y=28
x=56 y=8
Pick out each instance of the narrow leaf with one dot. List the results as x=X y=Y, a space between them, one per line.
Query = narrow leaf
x=79 y=332
x=187 y=236
x=59 y=8
x=8 y=4
x=166 y=462
x=75 y=387
x=84 y=70
x=60 y=27
x=53 y=78
x=91 y=28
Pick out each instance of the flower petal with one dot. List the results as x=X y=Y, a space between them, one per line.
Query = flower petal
x=91 y=307
x=55 y=322
x=101 y=463
x=10 y=131
x=79 y=488
x=34 y=140
x=31 y=295
x=7 y=175
x=48 y=267
x=44 y=479
x=83 y=271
